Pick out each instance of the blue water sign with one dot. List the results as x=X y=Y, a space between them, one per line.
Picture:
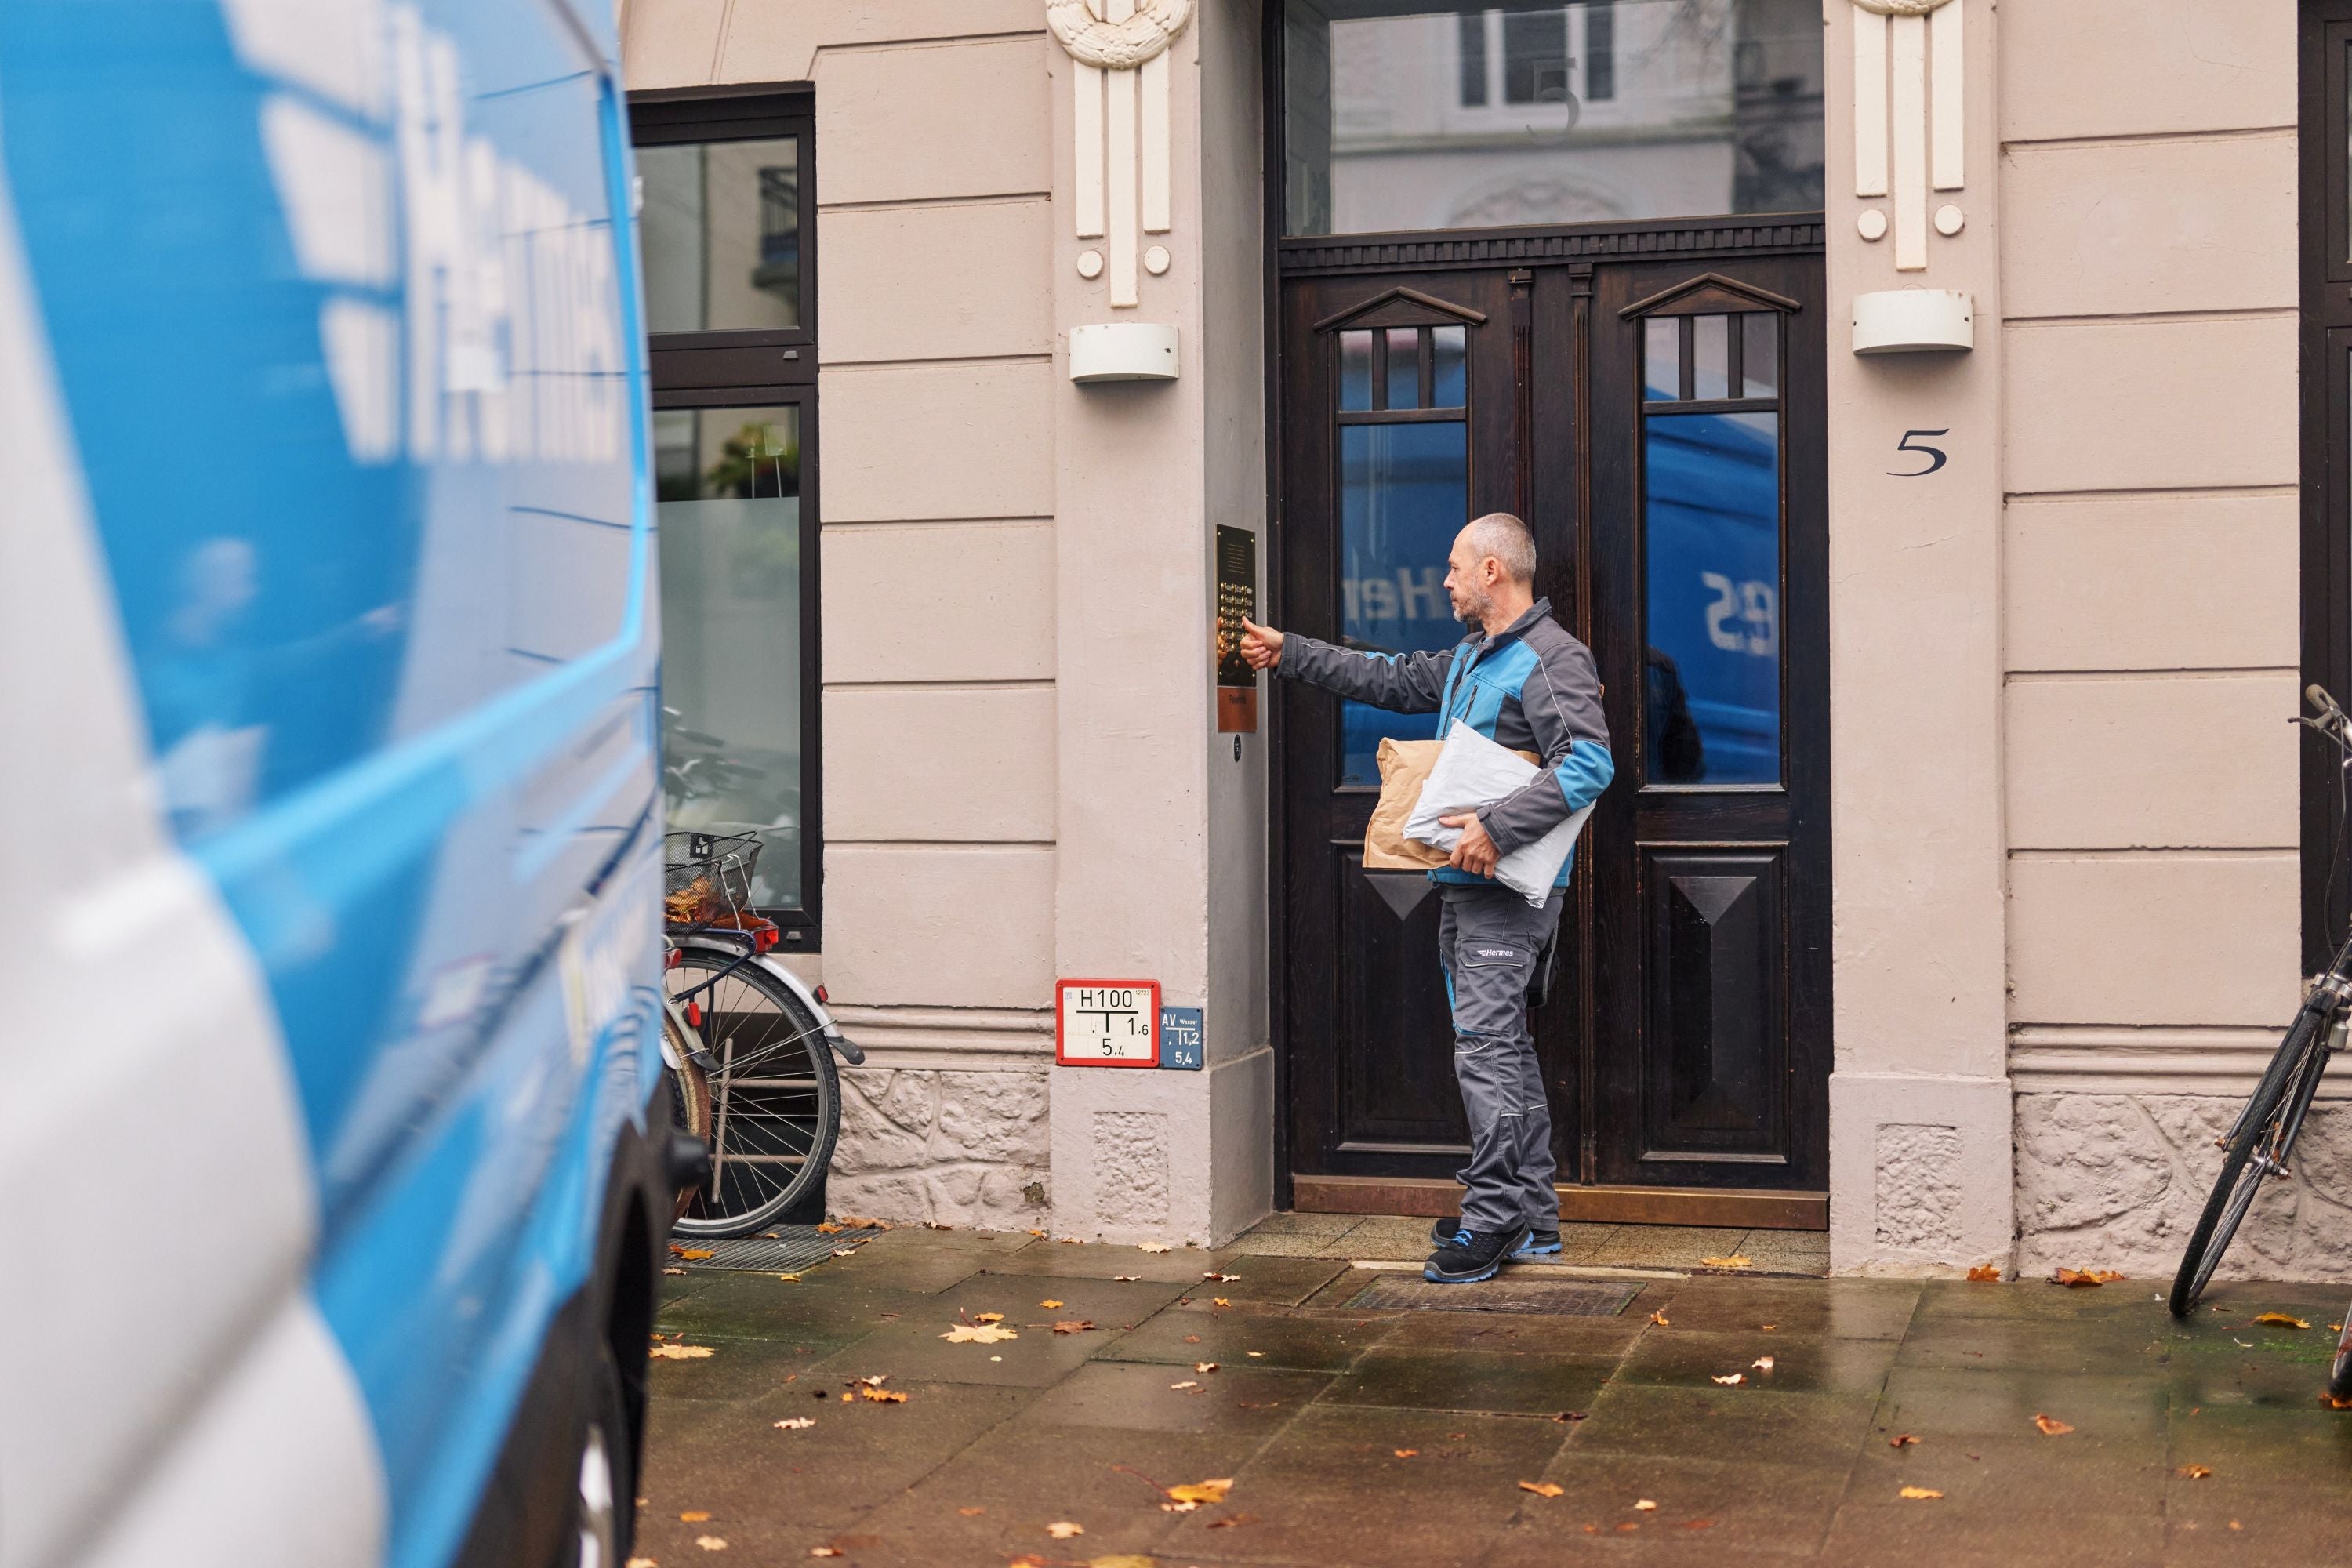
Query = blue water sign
x=1179 y=1038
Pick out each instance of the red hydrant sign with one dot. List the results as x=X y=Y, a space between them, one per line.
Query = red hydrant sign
x=1107 y=1023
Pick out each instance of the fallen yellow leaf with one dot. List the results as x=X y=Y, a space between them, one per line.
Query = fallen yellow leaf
x=1151 y=1247
x=2282 y=1319
x=2196 y=1472
x=1542 y=1489
x=674 y=1271
x=988 y=1316
x=1646 y=1506
x=1202 y=1491
x=789 y=1279
x=1659 y=1319
x=1188 y=1383
x=1219 y=1301
x=693 y=1254
x=1074 y=1326
x=1062 y=1530
x=1406 y=1453
x=2333 y=1402
x=1121 y=1560
x=1732 y=1378
x=972 y=1512
x=1049 y=1303
x=825 y=1551
x=694 y=1516
x=678 y=1352
x=1901 y=1440
x=1205 y=1366
x=711 y=1542
x=1986 y=1273
x=828 y=1228
x=882 y=1396
x=1734 y=1261
x=979 y=1334
x=1918 y=1494
x=1761 y=1364
x=2052 y=1427
x=2071 y=1280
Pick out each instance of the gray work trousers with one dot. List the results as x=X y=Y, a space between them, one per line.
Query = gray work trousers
x=1487 y=939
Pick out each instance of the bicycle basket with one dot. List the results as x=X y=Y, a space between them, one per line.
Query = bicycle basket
x=707 y=881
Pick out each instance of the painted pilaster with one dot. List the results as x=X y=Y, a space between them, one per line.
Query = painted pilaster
x=1919 y=1101
x=1160 y=869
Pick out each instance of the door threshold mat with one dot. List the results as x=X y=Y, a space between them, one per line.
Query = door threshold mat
x=781 y=1249
x=1550 y=1298
x=1532 y=1270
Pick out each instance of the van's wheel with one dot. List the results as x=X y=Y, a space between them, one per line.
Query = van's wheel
x=604 y=1506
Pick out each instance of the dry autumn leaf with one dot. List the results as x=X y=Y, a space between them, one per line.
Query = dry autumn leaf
x=1074 y=1325
x=1120 y=1560
x=1918 y=1494
x=1761 y=1364
x=1151 y=1247
x=1901 y=1440
x=2074 y=1281
x=695 y=1254
x=1188 y=1383
x=979 y=1334
x=2197 y=1473
x=1049 y=1303
x=674 y=1271
x=694 y=1516
x=1406 y=1453
x=1202 y=1491
x=1062 y=1530
x=1646 y=1506
x=828 y=1228
x=1659 y=1319
x=1074 y=1241
x=795 y=1424
x=1986 y=1273
x=1205 y=1366
x=1734 y=1261
x=1228 y=1278
x=2052 y=1427
x=2282 y=1319
x=845 y=1252
x=882 y=1396
x=679 y=1352
x=711 y=1542
x=972 y=1512
x=2333 y=1402
x=1125 y=1277
x=825 y=1551
x=1542 y=1489
x=988 y=1316
x=789 y=1279
x=1729 y=1378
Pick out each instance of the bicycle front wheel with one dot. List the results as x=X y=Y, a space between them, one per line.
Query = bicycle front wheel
x=2339 y=1376
x=775 y=1093
x=2266 y=1115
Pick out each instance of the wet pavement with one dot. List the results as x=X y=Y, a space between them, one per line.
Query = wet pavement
x=1368 y=1438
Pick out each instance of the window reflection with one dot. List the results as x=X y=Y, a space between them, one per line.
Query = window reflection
x=730 y=487
x=721 y=232
x=1404 y=492
x=1464 y=117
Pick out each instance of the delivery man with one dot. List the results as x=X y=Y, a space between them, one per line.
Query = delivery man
x=1520 y=680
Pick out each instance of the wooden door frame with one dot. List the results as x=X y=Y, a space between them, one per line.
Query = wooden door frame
x=2325 y=288
x=1576 y=248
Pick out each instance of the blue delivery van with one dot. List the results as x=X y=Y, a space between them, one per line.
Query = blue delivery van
x=330 y=1204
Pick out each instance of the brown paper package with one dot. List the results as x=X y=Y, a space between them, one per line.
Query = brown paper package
x=1404 y=768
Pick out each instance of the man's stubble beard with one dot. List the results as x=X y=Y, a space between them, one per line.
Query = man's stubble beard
x=1472 y=609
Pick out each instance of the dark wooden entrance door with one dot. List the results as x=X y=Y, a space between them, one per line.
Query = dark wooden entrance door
x=1659 y=426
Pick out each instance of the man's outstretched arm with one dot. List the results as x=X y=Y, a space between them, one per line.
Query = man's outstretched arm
x=1401 y=682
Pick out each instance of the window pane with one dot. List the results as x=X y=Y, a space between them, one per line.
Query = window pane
x=1603 y=113
x=730 y=518
x=1452 y=367
x=1661 y=358
x=1355 y=370
x=1404 y=367
x=721 y=232
x=1760 y=350
x=1404 y=493
x=1711 y=528
x=1710 y=356
x=1471 y=39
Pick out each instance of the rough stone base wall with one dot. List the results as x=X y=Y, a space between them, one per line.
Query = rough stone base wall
x=956 y=1148
x=2117 y=1181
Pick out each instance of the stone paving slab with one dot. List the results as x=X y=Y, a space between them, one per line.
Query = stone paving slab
x=1358 y=1439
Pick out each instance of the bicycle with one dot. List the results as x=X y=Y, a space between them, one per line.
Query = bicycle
x=2258 y=1143
x=753 y=1076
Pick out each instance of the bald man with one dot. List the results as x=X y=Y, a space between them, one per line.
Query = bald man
x=1520 y=679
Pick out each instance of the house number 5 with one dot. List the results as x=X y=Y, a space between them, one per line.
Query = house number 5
x=1935 y=454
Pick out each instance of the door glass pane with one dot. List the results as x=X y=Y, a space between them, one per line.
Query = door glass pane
x=1356 y=371
x=1711 y=356
x=1711 y=547
x=1404 y=367
x=730 y=603
x=1661 y=358
x=1404 y=493
x=1448 y=117
x=721 y=232
x=1759 y=333
x=1453 y=366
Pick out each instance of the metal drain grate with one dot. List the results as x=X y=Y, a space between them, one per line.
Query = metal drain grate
x=793 y=1248
x=1551 y=1297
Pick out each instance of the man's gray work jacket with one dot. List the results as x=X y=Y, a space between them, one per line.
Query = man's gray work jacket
x=1530 y=687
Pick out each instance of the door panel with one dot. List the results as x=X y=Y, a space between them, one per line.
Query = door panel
x=1659 y=426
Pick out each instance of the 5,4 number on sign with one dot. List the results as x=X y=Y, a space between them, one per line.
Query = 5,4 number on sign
x=1107 y=1023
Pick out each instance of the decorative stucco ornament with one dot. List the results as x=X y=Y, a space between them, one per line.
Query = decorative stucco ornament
x=1089 y=39
x=1119 y=119
x=1909 y=103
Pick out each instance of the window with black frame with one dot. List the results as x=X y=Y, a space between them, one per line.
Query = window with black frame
x=726 y=227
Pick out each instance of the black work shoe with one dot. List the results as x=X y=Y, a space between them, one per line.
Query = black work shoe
x=1471 y=1255
x=1536 y=1243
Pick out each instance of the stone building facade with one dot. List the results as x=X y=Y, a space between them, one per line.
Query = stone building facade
x=2067 y=819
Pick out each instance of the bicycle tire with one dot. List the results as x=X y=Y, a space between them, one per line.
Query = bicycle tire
x=2339 y=1376
x=2235 y=1189
x=775 y=1093
x=688 y=1094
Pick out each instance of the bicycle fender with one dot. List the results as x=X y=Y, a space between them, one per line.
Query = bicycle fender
x=843 y=1047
